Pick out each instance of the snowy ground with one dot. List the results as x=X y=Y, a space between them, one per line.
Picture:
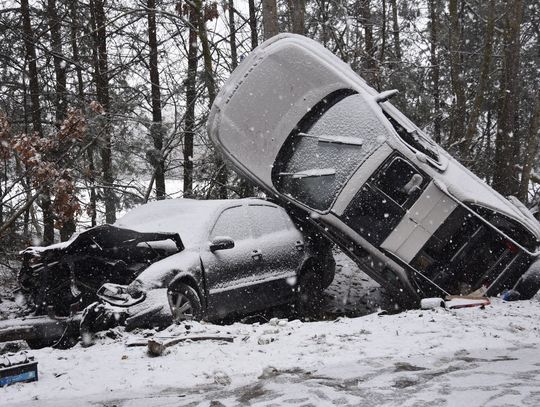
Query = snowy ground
x=461 y=357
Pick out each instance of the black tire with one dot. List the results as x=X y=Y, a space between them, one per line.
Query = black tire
x=310 y=294
x=529 y=283
x=185 y=303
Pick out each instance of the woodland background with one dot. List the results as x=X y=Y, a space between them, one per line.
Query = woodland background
x=103 y=103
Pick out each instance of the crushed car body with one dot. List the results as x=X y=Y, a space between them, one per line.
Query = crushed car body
x=70 y=273
x=299 y=123
x=179 y=259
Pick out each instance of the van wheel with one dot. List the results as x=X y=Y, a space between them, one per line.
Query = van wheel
x=310 y=294
x=529 y=284
x=185 y=303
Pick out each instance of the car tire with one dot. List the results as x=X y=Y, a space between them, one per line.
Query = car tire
x=529 y=284
x=185 y=303
x=310 y=294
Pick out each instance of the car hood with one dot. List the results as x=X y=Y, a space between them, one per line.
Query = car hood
x=103 y=237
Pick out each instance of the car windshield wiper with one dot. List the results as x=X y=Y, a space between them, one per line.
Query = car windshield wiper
x=351 y=141
x=317 y=172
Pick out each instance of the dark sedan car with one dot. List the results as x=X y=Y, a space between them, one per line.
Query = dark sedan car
x=198 y=259
x=299 y=123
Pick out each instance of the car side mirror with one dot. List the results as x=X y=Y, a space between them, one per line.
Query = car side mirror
x=221 y=243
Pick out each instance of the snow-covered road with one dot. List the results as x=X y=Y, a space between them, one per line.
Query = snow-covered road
x=461 y=357
x=467 y=357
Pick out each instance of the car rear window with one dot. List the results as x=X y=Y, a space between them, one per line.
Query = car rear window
x=317 y=160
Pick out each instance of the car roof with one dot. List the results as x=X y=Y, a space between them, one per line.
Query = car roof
x=190 y=218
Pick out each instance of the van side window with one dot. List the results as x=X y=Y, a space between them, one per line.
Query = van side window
x=317 y=160
x=400 y=181
x=383 y=200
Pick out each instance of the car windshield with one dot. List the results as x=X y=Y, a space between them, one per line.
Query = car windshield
x=331 y=142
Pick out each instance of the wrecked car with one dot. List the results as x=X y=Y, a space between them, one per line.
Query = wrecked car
x=299 y=123
x=209 y=259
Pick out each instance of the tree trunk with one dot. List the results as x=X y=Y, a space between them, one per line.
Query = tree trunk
x=232 y=36
x=482 y=82
x=370 y=64
x=383 y=33
x=29 y=41
x=222 y=173
x=506 y=126
x=531 y=151
x=435 y=68
x=297 y=11
x=102 y=89
x=395 y=30
x=156 y=130
x=92 y=209
x=60 y=97
x=253 y=24
x=191 y=98
x=457 y=132
x=269 y=12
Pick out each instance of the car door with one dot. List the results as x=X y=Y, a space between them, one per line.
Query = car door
x=230 y=272
x=282 y=249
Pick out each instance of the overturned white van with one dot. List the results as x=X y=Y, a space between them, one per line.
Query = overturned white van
x=299 y=123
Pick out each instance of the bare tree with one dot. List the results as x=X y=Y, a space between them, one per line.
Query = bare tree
x=156 y=130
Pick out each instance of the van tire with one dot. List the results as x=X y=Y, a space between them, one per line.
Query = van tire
x=529 y=283
x=310 y=293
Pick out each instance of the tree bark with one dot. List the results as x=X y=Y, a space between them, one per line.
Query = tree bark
x=101 y=74
x=269 y=12
x=29 y=41
x=222 y=173
x=369 y=49
x=60 y=97
x=232 y=36
x=297 y=11
x=383 y=33
x=457 y=132
x=530 y=151
x=395 y=30
x=191 y=98
x=92 y=209
x=156 y=130
x=435 y=68
x=504 y=157
x=482 y=82
x=253 y=24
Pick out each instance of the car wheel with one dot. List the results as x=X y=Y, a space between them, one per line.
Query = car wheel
x=529 y=284
x=185 y=303
x=310 y=295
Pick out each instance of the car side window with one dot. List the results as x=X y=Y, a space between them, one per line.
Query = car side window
x=267 y=219
x=316 y=162
x=232 y=222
